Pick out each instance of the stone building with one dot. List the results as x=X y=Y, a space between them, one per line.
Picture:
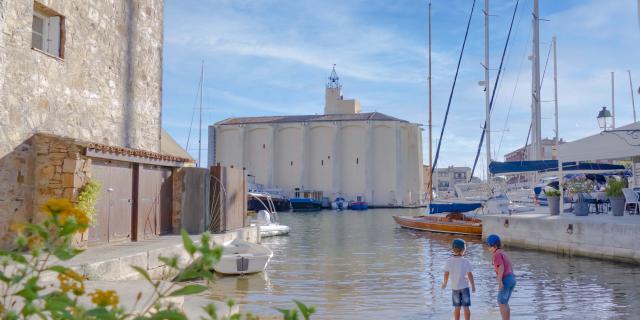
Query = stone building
x=371 y=156
x=445 y=179
x=80 y=96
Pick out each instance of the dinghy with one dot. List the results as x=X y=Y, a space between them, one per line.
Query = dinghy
x=455 y=223
x=243 y=257
x=268 y=224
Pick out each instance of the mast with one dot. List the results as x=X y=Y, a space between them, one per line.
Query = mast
x=613 y=103
x=430 y=189
x=633 y=102
x=535 y=83
x=555 y=90
x=487 y=94
x=200 y=126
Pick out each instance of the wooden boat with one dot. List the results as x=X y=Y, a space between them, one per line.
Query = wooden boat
x=243 y=257
x=456 y=223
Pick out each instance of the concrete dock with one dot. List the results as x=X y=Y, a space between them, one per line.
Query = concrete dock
x=600 y=236
x=113 y=262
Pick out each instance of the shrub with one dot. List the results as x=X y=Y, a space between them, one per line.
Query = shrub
x=551 y=192
x=614 y=188
x=23 y=295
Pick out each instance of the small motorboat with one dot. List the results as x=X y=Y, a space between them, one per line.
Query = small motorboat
x=242 y=257
x=339 y=204
x=305 y=204
x=455 y=223
x=359 y=205
x=268 y=224
x=263 y=200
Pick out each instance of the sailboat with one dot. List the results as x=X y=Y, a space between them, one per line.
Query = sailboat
x=455 y=221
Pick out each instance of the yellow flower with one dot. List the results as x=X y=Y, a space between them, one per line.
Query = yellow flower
x=104 y=298
x=76 y=285
x=57 y=205
x=17 y=227
x=34 y=241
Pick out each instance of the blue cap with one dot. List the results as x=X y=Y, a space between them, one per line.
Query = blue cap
x=457 y=244
x=492 y=240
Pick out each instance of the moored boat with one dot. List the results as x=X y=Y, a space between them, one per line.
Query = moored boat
x=359 y=205
x=268 y=224
x=305 y=204
x=339 y=204
x=456 y=223
x=242 y=257
x=260 y=200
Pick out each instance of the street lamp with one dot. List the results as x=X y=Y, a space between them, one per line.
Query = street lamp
x=604 y=118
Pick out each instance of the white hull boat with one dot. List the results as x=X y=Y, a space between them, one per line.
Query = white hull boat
x=268 y=224
x=339 y=204
x=243 y=257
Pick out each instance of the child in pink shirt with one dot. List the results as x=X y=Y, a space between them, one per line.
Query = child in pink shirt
x=504 y=275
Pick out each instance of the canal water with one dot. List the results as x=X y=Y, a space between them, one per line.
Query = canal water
x=361 y=265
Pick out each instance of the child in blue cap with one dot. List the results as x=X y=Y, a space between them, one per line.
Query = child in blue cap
x=504 y=275
x=459 y=270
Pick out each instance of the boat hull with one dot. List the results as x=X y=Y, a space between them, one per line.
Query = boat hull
x=305 y=205
x=273 y=230
x=359 y=206
x=280 y=204
x=241 y=257
x=441 y=224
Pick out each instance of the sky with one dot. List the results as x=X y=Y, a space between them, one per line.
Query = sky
x=273 y=57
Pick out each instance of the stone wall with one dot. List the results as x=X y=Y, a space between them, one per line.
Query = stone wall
x=106 y=89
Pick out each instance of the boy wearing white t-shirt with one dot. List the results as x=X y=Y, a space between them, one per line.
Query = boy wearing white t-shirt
x=459 y=269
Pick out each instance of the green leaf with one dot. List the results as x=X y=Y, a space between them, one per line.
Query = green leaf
x=57 y=302
x=101 y=313
x=306 y=311
x=188 y=244
x=169 y=315
x=70 y=226
x=38 y=229
x=66 y=253
x=170 y=262
x=289 y=314
x=211 y=311
x=58 y=269
x=188 y=290
x=18 y=257
x=142 y=272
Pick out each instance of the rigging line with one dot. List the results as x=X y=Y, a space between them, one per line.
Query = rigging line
x=513 y=94
x=193 y=114
x=455 y=78
x=493 y=94
x=545 y=66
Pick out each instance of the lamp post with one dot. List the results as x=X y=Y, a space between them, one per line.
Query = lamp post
x=604 y=119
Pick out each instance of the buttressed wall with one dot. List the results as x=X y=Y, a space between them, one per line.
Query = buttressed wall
x=104 y=88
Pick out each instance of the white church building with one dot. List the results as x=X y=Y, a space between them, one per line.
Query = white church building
x=343 y=153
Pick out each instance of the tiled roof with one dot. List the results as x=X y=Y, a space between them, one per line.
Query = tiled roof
x=371 y=116
x=135 y=152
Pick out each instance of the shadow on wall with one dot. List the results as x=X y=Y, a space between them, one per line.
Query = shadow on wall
x=16 y=188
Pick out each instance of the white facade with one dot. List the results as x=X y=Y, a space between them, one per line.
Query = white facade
x=353 y=154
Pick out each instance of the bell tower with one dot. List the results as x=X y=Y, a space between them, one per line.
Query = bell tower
x=334 y=103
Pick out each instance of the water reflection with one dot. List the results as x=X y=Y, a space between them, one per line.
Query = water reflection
x=355 y=265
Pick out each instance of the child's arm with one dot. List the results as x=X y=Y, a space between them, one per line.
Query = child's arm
x=473 y=284
x=446 y=279
x=499 y=275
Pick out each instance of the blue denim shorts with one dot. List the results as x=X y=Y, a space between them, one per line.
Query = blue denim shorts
x=508 y=283
x=461 y=298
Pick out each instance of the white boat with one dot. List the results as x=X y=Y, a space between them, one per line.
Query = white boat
x=243 y=257
x=268 y=224
x=339 y=204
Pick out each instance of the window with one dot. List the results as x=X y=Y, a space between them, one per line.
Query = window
x=47 y=31
x=443 y=174
x=322 y=162
x=443 y=184
x=357 y=161
x=460 y=175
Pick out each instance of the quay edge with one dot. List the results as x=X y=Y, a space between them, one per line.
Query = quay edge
x=601 y=236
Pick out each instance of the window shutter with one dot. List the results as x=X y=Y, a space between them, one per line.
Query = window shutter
x=37 y=31
x=53 y=40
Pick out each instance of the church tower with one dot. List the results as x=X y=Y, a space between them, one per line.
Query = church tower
x=334 y=103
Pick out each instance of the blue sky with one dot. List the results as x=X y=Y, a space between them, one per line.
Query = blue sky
x=272 y=57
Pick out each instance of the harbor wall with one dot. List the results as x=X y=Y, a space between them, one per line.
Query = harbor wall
x=602 y=237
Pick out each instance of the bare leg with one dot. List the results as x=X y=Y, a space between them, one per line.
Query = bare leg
x=467 y=313
x=456 y=313
x=505 y=312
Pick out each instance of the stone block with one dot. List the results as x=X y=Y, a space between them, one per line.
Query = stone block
x=46 y=172
x=71 y=166
x=102 y=270
x=70 y=180
x=138 y=259
x=70 y=193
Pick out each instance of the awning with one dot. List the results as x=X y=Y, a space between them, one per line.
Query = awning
x=620 y=143
x=548 y=165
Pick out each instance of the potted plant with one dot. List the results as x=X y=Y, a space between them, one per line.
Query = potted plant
x=580 y=186
x=553 y=198
x=616 y=197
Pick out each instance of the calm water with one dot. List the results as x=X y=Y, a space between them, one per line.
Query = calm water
x=360 y=265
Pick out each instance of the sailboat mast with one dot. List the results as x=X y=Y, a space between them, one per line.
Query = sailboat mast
x=200 y=126
x=535 y=84
x=633 y=101
x=613 y=102
x=555 y=90
x=430 y=189
x=487 y=94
